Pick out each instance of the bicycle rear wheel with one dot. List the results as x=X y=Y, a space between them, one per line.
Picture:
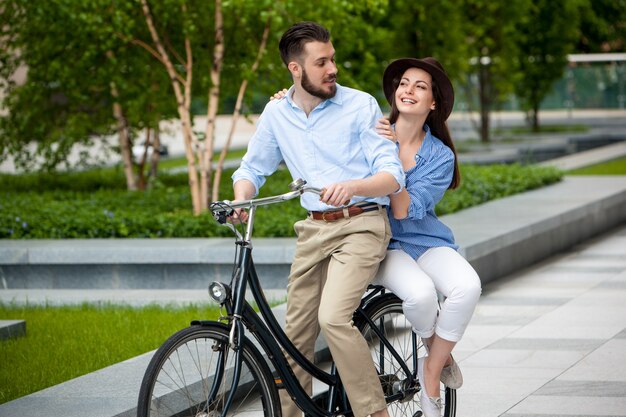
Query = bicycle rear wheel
x=403 y=399
x=197 y=361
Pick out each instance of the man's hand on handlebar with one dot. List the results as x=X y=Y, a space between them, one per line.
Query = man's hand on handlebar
x=238 y=215
x=338 y=194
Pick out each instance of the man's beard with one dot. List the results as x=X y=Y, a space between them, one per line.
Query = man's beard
x=318 y=92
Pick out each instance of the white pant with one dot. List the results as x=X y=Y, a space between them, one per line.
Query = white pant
x=416 y=283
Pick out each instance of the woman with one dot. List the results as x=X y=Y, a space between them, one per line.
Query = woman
x=422 y=259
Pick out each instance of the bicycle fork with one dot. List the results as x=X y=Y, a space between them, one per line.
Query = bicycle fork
x=224 y=350
x=235 y=338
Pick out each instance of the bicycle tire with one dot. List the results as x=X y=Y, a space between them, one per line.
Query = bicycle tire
x=182 y=371
x=386 y=311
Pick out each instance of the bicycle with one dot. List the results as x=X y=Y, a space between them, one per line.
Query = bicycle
x=212 y=368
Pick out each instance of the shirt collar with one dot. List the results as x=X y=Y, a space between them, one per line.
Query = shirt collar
x=427 y=145
x=336 y=99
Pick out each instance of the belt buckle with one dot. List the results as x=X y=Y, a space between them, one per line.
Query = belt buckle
x=324 y=213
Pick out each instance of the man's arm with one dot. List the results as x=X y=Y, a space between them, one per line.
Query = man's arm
x=379 y=184
x=244 y=190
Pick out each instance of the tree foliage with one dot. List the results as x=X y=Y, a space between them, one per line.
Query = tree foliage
x=95 y=70
x=415 y=29
x=546 y=35
x=490 y=29
x=603 y=26
x=77 y=70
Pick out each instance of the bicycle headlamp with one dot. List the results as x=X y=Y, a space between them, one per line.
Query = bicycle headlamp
x=218 y=291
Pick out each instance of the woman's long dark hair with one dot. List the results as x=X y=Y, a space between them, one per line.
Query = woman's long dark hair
x=438 y=127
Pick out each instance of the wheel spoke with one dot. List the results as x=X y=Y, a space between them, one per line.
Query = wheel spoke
x=181 y=374
x=387 y=314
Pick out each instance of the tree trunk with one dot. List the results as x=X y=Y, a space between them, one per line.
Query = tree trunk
x=237 y=113
x=485 y=101
x=183 y=100
x=535 y=119
x=214 y=92
x=123 y=136
x=141 y=163
x=125 y=146
x=156 y=155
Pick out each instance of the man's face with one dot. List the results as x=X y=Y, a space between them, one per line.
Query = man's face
x=319 y=72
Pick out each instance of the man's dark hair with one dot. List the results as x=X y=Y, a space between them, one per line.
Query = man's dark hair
x=293 y=40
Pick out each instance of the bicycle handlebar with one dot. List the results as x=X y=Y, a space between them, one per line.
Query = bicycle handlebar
x=298 y=188
x=223 y=209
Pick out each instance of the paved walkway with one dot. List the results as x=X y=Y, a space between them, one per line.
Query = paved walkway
x=551 y=340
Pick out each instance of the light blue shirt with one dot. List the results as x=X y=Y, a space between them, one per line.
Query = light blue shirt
x=336 y=142
x=426 y=183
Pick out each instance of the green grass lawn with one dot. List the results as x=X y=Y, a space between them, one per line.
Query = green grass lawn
x=614 y=167
x=62 y=343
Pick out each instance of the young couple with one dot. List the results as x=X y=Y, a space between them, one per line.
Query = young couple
x=375 y=220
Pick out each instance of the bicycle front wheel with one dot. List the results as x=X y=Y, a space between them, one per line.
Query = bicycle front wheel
x=191 y=374
x=402 y=396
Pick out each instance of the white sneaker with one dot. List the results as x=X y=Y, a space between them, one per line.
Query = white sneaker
x=451 y=375
x=431 y=406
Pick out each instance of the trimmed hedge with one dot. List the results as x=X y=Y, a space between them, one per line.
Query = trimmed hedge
x=95 y=204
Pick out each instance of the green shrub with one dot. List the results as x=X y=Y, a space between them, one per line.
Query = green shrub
x=95 y=204
x=480 y=184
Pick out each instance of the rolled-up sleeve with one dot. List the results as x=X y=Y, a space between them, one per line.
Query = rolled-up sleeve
x=381 y=153
x=428 y=183
x=261 y=159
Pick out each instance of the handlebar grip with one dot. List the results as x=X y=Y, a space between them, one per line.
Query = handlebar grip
x=323 y=190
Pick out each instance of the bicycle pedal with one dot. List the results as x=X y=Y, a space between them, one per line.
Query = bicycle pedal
x=279 y=383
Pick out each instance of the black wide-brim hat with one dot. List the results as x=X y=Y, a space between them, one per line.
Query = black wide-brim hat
x=395 y=70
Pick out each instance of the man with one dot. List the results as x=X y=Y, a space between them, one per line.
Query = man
x=325 y=134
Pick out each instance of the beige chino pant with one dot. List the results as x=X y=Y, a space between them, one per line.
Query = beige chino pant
x=333 y=264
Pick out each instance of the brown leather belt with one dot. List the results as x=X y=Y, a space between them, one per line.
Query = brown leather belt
x=344 y=213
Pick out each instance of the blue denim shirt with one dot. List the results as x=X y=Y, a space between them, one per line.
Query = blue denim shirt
x=336 y=142
x=426 y=183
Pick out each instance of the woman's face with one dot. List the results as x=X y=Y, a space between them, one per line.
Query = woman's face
x=414 y=95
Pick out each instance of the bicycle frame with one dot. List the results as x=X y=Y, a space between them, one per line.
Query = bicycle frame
x=266 y=329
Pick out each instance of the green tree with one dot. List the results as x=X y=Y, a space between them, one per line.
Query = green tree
x=490 y=29
x=99 y=67
x=603 y=26
x=414 y=29
x=546 y=35
x=77 y=89
x=241 y=31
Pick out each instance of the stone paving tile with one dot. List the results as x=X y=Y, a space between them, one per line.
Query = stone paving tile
x=547 y=344
x=528 y=300
x=525 y=358
x=584 y=388
x=607 y=364
x=589 y=406
x=596 y=331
